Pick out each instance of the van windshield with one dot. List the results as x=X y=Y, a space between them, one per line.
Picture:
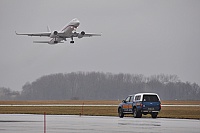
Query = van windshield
x=150 y=98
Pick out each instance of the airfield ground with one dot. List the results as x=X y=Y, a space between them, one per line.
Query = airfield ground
x=188 y=112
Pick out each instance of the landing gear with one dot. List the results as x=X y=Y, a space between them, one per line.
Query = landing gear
x=72 y=41
x=55 y=41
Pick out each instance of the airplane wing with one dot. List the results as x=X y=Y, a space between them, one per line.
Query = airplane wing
x=35 y=34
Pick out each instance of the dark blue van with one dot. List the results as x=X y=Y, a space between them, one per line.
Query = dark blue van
x=140 y=103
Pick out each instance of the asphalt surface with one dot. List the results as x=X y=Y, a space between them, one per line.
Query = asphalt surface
x=27 y=123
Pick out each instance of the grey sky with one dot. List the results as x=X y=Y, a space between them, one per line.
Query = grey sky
x=139 y=37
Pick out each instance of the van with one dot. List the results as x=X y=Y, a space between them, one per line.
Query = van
x=140 y=103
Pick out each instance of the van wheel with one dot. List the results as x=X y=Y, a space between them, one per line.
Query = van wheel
x=154 y=115
x=120 y=113
x=137 y=114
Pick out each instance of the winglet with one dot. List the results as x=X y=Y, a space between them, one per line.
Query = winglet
x=48 y=29
x=16 y=33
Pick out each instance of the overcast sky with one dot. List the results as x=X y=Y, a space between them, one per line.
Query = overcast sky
x=139 y=37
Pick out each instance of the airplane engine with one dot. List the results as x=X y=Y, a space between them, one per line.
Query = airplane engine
x=54 y=34
x=80 y=35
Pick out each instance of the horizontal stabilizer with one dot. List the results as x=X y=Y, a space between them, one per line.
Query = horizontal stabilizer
x=91 y=34
x=40 y=41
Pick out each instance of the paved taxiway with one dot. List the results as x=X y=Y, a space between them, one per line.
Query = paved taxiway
x=27 y=123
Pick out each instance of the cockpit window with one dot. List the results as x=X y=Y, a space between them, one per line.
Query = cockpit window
x=75 y=19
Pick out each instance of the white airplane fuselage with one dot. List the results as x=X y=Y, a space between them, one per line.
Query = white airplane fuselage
x=67 y=31
x=70 y=27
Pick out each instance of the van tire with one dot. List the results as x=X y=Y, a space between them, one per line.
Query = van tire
x=120 y=113
x=154 y=115
x=136 y=113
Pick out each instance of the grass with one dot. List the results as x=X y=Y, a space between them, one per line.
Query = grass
x=76 y=102
x=166 y=112
x=180 y=112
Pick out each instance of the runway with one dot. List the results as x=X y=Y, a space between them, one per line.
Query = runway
x=28 y=123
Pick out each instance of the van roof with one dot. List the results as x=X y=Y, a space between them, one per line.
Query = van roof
x=143 y=94
x=146 y=94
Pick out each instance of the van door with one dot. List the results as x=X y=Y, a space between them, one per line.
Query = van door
x=127 y=106
x=151 y=103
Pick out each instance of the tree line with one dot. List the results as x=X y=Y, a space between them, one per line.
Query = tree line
x=102 y=86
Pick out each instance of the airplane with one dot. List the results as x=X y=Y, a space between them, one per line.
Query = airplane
x=68 y=31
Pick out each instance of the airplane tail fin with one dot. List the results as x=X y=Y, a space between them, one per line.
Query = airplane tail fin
x=48 y=29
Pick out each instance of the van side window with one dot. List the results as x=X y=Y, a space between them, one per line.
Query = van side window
x=137 y=98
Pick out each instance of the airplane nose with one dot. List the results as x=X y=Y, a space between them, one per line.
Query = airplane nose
x=76 y=22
